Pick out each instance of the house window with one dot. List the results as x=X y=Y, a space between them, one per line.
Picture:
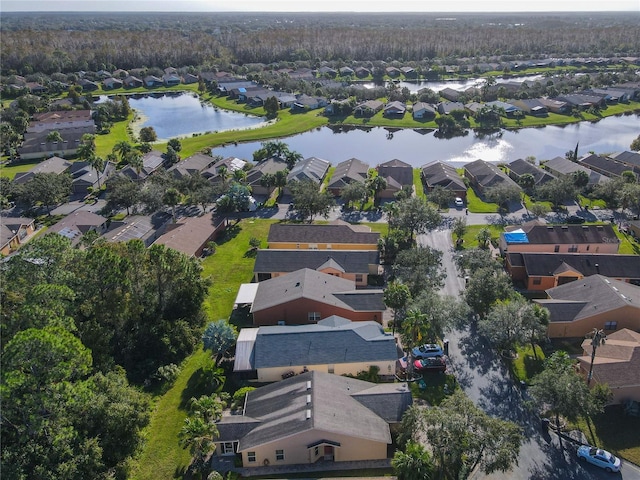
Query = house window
x=280 y=455
x=610 y=325
x=228 y=448
x=316 y=451
x=331 y=368
x=573 y=248
x=313 y=316
x=328 y=246
x=556 y=248
x=588 y=247
x=297 y=245
x=537 y=280
x=251 y=457
x=358 y=277
x=313 y=246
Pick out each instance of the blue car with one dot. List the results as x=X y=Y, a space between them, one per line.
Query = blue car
x=427 y=350
x=599 y=458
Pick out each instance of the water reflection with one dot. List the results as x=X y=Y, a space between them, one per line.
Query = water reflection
x=375 y=144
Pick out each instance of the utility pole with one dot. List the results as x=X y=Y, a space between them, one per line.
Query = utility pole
x=597 y=338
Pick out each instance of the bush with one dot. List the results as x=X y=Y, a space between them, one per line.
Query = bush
x=238 y=398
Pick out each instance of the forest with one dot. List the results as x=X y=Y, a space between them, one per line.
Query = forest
x=50 y=43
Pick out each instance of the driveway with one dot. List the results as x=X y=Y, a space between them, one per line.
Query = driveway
x=485 y=379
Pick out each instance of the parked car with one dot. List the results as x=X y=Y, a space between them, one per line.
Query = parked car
x=458 y=202
x=599 y=458
x=427 y=350
x=575 y=219
x=431 y=364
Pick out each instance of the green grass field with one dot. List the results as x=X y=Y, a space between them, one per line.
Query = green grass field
x=476 y=205
x=417 y=183
x=472 y=231
x=10 y=171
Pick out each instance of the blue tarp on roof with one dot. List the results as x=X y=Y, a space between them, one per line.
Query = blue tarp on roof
x=242 y=90
x=517 y=236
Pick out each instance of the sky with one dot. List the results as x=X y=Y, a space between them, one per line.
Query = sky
x=322 y=5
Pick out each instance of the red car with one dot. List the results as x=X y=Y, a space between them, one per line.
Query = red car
x=432 y=364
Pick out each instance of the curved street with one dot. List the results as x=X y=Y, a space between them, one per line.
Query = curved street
x=486 y=380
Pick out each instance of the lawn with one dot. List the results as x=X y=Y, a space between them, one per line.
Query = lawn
x=439 y=386
x=628 y=244
x=472 y=231
x=476 y=205
x=616 y=432
x=525 y=366
x=417 y=183
x=119 y=133
x=161 y=457
x=11 y=170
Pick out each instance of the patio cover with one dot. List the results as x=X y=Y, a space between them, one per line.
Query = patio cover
x=246 y=294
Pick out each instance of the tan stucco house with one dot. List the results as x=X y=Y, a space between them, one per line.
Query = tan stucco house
x=333 y=345
x=578 y=307
x=617 y=364
x=314 y=417
x=14 y=231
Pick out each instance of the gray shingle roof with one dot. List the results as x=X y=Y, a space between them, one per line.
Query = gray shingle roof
x=570 y=234
x=615 y=266
x=580 y=299
x=352 y=170
x=330 y=233
x=400 y=171
x=281 y=408
x=487 y=174
x=356 y=261
x=311 y=168
x=323 y=343
x=605 y=165
x=521 y=167
x=445 y=175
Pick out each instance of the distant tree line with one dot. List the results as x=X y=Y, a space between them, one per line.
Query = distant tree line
x=52 y=43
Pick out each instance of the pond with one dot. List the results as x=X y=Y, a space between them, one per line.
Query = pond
x=183 y=114
x=375 y=145
x=459 y=85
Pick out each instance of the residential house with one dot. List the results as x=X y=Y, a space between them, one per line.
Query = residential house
x=14 y=231
x=333 y=345
x=562 y=167
x=368 y=108
x=346 y=71
x=132 y=82
x=395 y=109
x=610 y=95
x=254 y=176
x=606 y=166
x=443 y=175
x=88 y=85
x=84 y=176
x=120 y=73
x=327 y=72
x=151 y=81
x=231 y=164
x=531 y=106
x=582 y=101
x=362 y=72
x=355 y=265
x=189 y=78
x=306 y=296
x=60 y=120
x=314 y=417
x=190 y=235
x=310 y=169
x=541 y=271
x=305 y=102
x=484 y=175
x=285 y=100
x=630 y=159
x=151 y=161
x=302 y=74
x=450 y=94
x=634 y=228
x=576 y=308
x=352 y=170
x=36 y=88
x=616 y=364
x=409 y=72
x=55 y=165
x=36 y=146
x=77 y=224
x=138 y=227
x=336 y=235
x=520 y=167
x=445 y=108
x=170 y=71
x=474 y=107
x=397 y=174
x=536 y=237
x=555 y=105
x=423 y=111
x=171 y=79
x=509 y=110
x=103 y=74
x=393 y=72
x=191 y=165
x=111 y=83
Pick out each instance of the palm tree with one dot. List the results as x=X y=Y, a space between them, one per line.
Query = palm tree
x=414 y=464
x=197 y=434
x=123 y=148
x=54 y=136
x=87 y=147
x=171 y=198
x=413 y=329
x=483 y=237
x=280 y=180
x=526 y=182
x=97 y=163
x=223 y=173
x=376 y=184
x=240 y=176
x=136 y=161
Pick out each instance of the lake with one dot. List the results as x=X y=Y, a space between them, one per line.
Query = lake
x=182 y=114
x=436 y=86
x=376 y=145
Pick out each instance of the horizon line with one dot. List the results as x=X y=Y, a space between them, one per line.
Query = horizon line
x=325 y=11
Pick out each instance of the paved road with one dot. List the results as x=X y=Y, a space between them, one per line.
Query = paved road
x=485 y=379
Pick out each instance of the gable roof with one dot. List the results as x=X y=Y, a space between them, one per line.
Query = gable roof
x=190 y=234
x=398 y=170
x=357 y=261
x=76 y=224
x=330 y=341
x=193 y=164
x=52 y=165
x=628 y=158
x=314 y=401
x=487 y=174
x=316 y=286
x=521 y=167
x=334 y=232
x=582 y=298
x=566 y=167
x=569 y=234
x=352 y=170
x=311 y=168
x=270 y=165
x=605 y=165
x=443 y=174
x=544 y=264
